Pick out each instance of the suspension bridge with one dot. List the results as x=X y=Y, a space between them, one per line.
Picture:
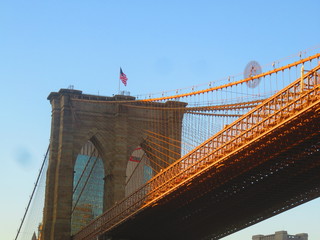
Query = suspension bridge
x=198 y=164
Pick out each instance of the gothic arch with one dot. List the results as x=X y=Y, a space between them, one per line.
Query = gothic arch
x=88 y=187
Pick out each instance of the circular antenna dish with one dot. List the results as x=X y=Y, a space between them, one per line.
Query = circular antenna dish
x=253 y=68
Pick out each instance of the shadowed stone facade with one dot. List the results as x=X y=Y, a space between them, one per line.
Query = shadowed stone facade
x=115 y=126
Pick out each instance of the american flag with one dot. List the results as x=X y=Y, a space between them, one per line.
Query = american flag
x=123 y=77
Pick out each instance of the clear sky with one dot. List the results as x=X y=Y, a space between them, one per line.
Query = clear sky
x=160 y=45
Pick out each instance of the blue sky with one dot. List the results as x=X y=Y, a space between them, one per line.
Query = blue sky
x=160 y=45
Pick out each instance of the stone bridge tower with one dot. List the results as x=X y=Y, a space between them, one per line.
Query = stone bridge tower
x=115 y=125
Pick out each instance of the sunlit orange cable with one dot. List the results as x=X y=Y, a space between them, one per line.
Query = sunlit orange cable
x=234 y=83
x=231 y=106
x=215 y=114
x=220 y=134
x=155 y=156
x=171 y=139
x=230 y=76
x=158 y=134
x=181 y=142
x=162 y=181
x=156 y=150
x=149 y=141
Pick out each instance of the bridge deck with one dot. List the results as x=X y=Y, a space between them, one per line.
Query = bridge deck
x=248 y=188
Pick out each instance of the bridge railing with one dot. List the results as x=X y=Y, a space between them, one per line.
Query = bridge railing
x=259 y=121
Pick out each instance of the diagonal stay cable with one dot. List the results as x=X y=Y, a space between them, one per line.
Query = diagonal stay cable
x=136 y=167
x=32 y=194
x=85 y=168
x=85 y=184
x=153 y=160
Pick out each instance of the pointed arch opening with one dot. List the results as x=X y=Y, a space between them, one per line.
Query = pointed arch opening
x=88 y=187
x=139 y=170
